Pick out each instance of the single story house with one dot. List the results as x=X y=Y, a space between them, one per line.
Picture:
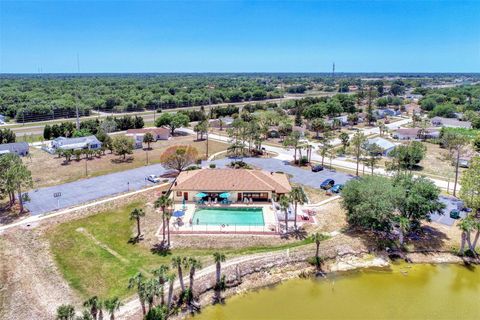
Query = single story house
x=19 y=148
x=450 y=123
x=384 y=144
x=382 y=113
x=89 y=142
x=225 y=121
x=258 y=185
x=273 y=132
x=415 y=133
x=343 y=120
x=157 y=133
x=137 y=140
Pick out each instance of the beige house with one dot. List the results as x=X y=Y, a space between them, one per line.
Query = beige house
x=241 y=184
x=158 y=133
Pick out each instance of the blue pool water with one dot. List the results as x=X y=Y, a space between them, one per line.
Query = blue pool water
x=229 y=216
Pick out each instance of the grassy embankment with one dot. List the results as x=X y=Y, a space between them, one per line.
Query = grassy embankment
x=96 y=258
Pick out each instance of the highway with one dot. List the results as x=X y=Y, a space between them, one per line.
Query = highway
x=36 y=128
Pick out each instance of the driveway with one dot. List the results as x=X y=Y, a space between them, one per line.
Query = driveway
x=301 y=176
x=78 y=192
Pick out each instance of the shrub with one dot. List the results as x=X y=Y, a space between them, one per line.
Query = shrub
x=212 y=165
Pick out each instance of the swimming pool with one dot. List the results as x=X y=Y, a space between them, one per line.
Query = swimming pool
x=229 y=216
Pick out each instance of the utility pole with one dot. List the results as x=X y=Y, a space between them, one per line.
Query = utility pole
x=77 y=95
x=209 y=108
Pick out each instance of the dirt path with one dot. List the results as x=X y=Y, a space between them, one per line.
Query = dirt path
x=31 y=285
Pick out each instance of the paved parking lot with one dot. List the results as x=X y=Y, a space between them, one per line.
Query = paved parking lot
x=302 y=176
x=451 y=203
x=82 y=191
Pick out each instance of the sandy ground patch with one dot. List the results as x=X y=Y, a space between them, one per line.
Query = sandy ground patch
x=31 y=285
x=330 y=217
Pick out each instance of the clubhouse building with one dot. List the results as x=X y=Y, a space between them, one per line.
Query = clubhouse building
x=229 y=186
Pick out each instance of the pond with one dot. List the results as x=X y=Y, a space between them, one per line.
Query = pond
x=404 y=291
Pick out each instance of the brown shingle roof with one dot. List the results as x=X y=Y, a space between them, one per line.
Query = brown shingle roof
x=232 y=180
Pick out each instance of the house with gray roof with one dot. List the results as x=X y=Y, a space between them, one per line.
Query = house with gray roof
x=416 y=133
x=18 y=148
x=386 y=145
x=450 y=123
x=89 y=142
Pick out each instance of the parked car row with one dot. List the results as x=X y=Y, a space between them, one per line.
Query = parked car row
x=329 y=184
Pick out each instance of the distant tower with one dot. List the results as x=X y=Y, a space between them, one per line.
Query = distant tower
x=333 y=70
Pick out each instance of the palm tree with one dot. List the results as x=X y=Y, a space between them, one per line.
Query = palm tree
x=218 y=257
x=136 y=214
x=65 y=312
x=168 y=215
x=317 y=237
x=476 y=226
x=138 y=281
x=94 y=305
x=403 y=226
x=178 y=262
x=466 y=226
x=161 y=273
x=284 y=205
x=293 y=140
x=85 y=316
x=171 y=280
x=152 y=290
x=297 y=196
x=194 y=264
x=358 y=141
x=112 y=305
x=163 y=202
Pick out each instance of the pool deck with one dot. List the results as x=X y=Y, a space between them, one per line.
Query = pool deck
x=270 y=226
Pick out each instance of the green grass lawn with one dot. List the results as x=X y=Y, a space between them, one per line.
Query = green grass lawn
x=92 y=269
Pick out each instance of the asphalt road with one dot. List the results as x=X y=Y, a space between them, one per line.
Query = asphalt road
x=74 y=193
x=298 y=175
x=36 y=128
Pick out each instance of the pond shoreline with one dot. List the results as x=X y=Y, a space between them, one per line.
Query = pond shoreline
x=276 y=270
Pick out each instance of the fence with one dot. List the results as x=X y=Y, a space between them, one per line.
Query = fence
x=249 y=228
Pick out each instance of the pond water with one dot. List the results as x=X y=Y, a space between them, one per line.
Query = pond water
x=403 y=291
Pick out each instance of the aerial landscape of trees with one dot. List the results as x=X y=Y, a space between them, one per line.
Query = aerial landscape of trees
x=51 y=97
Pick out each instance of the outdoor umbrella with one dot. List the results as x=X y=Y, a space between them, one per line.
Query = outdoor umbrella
x=224 y=195
x=201 y=195
x=178 y=214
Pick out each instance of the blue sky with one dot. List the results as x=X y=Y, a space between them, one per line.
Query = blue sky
x=240 y=36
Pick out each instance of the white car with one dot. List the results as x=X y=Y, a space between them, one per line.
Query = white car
x=153 y=178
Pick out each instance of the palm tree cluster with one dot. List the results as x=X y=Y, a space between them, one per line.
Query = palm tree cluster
x=94 y=309
x=164 y=202
x=156 y=294
x=296 y=196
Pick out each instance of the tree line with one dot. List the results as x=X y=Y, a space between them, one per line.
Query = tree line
x=50 y=97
